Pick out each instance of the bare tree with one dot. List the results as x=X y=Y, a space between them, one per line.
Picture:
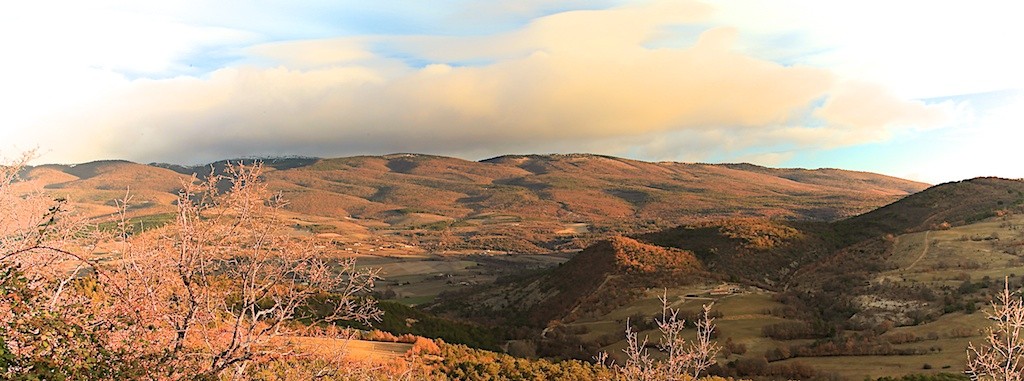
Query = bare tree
x=999 y=358
x=194 y=299
x=37 y=233
x=685 y=360
x=213 y=289
x=45 y=322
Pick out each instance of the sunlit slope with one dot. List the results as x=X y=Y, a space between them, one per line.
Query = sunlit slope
x=529 y=202
x=519 y=203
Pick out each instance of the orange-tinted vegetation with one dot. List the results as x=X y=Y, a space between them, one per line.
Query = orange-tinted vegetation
x=822 y=276
x=421 y=198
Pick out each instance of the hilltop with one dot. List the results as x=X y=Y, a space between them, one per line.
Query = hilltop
x=599 y=278
x=913 y=267
x=513 y=203
x=768 y=254
x=783 y=252
x=950 y=204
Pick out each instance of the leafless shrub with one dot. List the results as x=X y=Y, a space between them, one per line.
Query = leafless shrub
x=39 y=234
x=213 y=288
x=196 y=299
x=685 y=360
x=999 y=357
x=40 y=310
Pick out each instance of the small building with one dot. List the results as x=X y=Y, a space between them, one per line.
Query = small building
x=725 y=289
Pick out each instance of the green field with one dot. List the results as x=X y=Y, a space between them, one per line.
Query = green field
x=418 y=279
x=983 y=251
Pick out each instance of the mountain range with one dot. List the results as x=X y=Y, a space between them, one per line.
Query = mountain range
x=818 y=264
x=518 y=203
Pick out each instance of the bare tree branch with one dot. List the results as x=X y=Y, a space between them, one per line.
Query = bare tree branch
x=999 y=358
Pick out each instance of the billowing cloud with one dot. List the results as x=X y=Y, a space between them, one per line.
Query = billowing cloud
x=573 y=81
x=872 y=107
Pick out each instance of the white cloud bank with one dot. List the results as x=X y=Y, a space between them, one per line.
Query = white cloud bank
x=573 y=81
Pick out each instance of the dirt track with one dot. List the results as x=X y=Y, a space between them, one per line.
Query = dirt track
x=923 y=252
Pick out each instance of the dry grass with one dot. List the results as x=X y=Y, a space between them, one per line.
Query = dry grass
x=379 y=208
x=743 y=318
x=948 y=259
x=409 y=196
x=352 y=349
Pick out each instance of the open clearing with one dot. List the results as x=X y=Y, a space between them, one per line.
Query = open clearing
x=418 y=278
x=349 y=348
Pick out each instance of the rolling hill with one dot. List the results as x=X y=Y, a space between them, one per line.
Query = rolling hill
x=954 y=203
x=824 y=264
x=96 y=187
x=537 y=203
x=595 y=280
x=515 y=203
x=827 y=249
x=894 y=288
x=512 y=203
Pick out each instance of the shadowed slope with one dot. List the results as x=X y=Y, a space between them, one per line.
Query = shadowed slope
x=597 y=280
x=955 y=203
x=824 y=264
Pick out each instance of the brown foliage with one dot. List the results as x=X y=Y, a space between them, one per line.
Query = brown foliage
x=194 y=299
x=424 y=345
x=613 y=195
x=610 y=274
x=224 y=279
x=637 y=257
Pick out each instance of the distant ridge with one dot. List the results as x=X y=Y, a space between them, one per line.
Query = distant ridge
x=953 y=203
x=276 y=162
x=514 y=203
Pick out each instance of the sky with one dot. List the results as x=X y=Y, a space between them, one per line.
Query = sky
x=926 y=90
